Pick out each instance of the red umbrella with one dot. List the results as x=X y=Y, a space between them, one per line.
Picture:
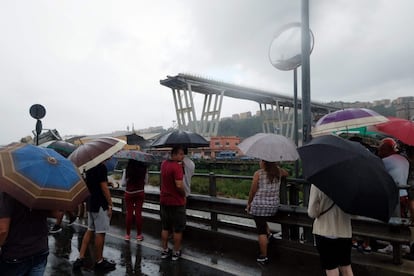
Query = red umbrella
x=399 y=128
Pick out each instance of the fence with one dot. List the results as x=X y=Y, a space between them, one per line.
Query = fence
x=292 y=214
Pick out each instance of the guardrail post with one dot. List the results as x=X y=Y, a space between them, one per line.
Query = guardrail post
x=213 y=193
x=284 y=200
x=307 y=232
x=294 y=200
x=396 y=253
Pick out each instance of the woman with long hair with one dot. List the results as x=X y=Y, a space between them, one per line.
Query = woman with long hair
x=136 y=178
x=264 y=201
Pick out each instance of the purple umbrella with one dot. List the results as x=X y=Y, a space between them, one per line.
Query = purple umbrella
x=347 y=119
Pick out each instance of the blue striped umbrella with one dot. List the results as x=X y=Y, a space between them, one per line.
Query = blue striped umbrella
x=40 y=178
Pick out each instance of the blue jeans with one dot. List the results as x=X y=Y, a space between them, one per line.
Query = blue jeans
x=30 y=266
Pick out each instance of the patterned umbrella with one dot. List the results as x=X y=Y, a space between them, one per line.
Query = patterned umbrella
x=136 y=155
x=40 y=178
x=346 y=119
x=95 y=152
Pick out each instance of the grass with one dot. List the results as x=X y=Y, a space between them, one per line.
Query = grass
x=231 y=188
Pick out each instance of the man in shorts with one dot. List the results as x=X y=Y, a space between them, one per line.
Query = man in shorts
x=99 y=207
x=172 y=203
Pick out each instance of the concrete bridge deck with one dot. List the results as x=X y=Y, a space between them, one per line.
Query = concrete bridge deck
x=204 y=253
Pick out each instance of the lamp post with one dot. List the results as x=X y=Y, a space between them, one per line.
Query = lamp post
x=37 y=112
x=306 y=51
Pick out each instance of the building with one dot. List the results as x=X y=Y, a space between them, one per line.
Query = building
x=404 y=107
x=224 y=143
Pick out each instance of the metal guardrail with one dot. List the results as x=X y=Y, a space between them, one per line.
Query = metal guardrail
x=292 y=214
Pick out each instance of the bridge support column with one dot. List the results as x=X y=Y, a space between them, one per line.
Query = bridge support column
x=278 y=119
x=210 y=116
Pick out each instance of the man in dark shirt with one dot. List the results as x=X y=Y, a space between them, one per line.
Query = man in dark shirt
x=23 y=238
x=99 y=207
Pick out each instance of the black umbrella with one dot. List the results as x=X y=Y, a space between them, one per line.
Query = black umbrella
x=60 y=146
x=182 y=138
x=353 y=177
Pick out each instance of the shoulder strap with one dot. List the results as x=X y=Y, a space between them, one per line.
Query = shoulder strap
x=325 y=211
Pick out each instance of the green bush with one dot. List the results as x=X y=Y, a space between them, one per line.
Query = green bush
x=231 y=188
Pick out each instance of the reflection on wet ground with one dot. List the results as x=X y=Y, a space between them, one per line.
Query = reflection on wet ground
x=204 y=253
x=131 y=258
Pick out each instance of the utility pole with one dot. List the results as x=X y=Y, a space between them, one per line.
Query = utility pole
x=306 y=93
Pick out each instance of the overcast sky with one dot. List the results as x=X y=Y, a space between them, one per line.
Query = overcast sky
x=96 y=65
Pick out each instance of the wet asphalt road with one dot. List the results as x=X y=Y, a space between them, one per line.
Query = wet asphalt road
x=132 y=258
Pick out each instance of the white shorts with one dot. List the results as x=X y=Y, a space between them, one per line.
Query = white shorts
x=98 y=222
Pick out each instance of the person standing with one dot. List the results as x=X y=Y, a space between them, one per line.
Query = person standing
x=172 y=203
x=136 y=178
x=23 y=238
x=189 y=168
x=398 y=167
x=264 y=201
x=99 y=207
x=333 y=233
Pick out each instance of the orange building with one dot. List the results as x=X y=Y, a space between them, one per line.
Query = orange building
x=224 y=143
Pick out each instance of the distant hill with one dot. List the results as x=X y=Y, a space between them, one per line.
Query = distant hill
x=250 y=126
x=240 y=127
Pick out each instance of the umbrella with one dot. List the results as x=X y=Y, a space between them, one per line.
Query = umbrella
x=95 y=152
x=399 y=128
x=136 y=155
x=182 y=138
x=40 y=178
x=269 y=147
x=60 y=146
x=346 y=119
x=354 y=178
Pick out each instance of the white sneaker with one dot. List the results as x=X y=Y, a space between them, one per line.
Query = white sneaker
x=386 y=250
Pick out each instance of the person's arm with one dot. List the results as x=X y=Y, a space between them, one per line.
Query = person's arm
x=4 y=229
x=253 y=189
x=180 y=187
x=107 y=194
x=283 y=172
x=314 y=202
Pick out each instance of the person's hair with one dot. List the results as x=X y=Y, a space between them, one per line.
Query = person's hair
x=176 y=149
x=272 y=171
x=135 y=171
